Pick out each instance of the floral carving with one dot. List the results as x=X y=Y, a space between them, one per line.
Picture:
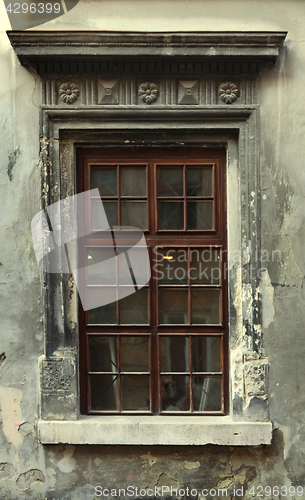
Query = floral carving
x=68 y=92
x=148 y=92
x=53 y=378
x=228 y=92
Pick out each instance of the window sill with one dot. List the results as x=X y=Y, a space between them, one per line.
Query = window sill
x=154 y=430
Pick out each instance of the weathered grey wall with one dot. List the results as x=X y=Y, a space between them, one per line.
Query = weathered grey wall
x=28 y=470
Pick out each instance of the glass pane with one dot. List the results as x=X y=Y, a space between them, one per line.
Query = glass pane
x=173 y=307
x=200 y=215
x=207 y=393
x=103 y=354
x=135 y=392
x=175 y=393
x=100 y=314
x=172 y=265
x=133 y=265
x=134 y=213
x=205 y=306
x=170 y=181
x=134 y=354
x=111 y=210
x=199 y=181
x=104 y=392
x=174 y=353
x=205 y=266
x=133 y=181
x=134 y=308
x=105 y=179
x=170 y=215
x=206 y=354
x=101 y=266
x=98 y=221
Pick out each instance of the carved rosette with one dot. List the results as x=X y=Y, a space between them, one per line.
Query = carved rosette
x=228 y=92
x=68 y=92
x=148 y=92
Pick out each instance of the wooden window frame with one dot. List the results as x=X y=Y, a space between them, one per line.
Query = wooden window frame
x=216 y=238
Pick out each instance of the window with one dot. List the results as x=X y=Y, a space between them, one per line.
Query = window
x=162 y=349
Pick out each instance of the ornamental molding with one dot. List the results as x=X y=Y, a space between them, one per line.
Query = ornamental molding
x=53 y=379
x=122 y=53
x=80 y=69
x=228 y=92
x=68 y=92
x=164 y=91
x=148 y=92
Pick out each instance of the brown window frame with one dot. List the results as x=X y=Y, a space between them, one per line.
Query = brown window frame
x=215 y=238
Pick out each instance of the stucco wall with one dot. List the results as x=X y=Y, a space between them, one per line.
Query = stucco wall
x=29 y=470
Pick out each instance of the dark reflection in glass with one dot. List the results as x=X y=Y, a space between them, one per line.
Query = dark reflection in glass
x=111 y=210
x=175 y=393
x=207 y=393
x=200 y=215
x=174 y=353
x=134 y=308
x=199 y=181
x=134 y=354
x=104 y=392
x=170 y=181
x=103 y=354
x=173 y=307
x=99 y=210
x=205 y=266
x=134 y=213
x=206 y=354
x=133 y=181
x=105 y=179
x=205 y=306
x=102 y=315
x=170 y=215
x=135 y=392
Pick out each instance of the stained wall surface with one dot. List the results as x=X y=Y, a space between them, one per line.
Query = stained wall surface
x=58 y=472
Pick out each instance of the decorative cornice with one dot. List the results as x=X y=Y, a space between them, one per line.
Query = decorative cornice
x=79 y=52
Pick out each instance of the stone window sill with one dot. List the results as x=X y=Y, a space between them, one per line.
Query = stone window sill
x=154 y=430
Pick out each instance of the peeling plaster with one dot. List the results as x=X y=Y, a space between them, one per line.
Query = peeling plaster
x=191 y=465
x=238 y=303
x=151 y=459
x=11 y=414
x=26 y=428
x=67 y=463
x=12 y=160
x=26 y=479
x=286 y=438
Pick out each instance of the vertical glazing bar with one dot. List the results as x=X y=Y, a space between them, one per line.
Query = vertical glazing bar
x=215 y=218
x=147 y=199
x=223 y=373
x=89 y=403
x=184 y=195
x=119 y=194
x=118 y=319
x=189 y=287
x=191 y=374
x=119 y=376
